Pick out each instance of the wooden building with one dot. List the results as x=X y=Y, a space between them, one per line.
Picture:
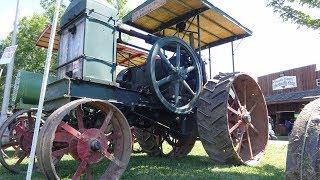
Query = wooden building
x=287 y=92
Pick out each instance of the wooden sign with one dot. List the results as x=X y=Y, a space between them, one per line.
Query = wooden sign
x=284 y=82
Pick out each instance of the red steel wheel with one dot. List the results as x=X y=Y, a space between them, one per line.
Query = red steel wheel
x=16 y=139
x=232 y=120
x=94 y=133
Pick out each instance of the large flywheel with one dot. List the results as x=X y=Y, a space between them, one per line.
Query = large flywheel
x=232 y=120
x=178 y=85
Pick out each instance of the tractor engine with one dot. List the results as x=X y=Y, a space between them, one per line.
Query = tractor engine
x=137 y=78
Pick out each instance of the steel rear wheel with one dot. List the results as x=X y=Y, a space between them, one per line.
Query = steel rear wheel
x=92 y=135
x=16 y=139
x=303 y=157
x=232 y=120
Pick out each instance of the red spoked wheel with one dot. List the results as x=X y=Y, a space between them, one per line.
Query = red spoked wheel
x=16 y=139
x=93 y=136
x=233 y=120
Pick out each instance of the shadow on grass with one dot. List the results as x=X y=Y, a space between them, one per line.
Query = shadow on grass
x=195 y=167
x=191 y=167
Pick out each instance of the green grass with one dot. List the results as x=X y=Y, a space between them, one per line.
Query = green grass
x=196 y=166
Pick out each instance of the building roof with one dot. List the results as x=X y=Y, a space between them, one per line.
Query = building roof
x=302 y=96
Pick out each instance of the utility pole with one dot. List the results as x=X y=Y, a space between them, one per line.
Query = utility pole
x=10 y=67
x=43 y=90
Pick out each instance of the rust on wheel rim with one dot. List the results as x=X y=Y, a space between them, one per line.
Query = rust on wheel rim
x=91 y=131
x=247 y=119
x=16 y=139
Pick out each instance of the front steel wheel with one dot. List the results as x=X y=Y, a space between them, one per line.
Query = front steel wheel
x=93 y=135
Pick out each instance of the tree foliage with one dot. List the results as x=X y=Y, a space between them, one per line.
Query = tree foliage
x=122 y=6
x=29 y=57
x=48 y=5
x=49 y=8
x=291 y=10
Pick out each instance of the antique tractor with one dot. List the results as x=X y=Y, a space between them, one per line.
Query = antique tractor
x=105 y=85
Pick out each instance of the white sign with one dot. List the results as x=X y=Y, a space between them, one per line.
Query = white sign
x=285 y=82
x=148 y=9
x=8 y=54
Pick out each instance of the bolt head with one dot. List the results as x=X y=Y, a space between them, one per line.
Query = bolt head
x=247 y=118
x=95 y=145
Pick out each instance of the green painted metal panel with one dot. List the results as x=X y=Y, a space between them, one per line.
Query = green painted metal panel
x=64 y=90
x=54 y=104
x=57 y=89
x=94 y=24
x=78 y=7
x=99 y=46
x=27 y=88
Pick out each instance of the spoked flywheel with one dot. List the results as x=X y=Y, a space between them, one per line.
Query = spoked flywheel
x=152 y=144
x=232 y=120
x=178 y=85
x=16 y=139
x=93 y=136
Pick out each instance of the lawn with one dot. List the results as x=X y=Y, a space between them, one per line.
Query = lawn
x=196 y=166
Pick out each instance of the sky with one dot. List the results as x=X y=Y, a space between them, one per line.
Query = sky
x=274 y=46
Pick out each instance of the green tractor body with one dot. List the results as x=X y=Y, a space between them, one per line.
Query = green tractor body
x=88 y=42
x=26 y=90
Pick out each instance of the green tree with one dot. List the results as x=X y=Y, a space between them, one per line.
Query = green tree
x=1 y=46
x=49 y=8
x=294 y=11
x=122 y=6
x=28 y=57
x=48 y=5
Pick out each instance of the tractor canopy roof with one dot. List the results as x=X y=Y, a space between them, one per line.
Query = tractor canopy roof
x=161 y=17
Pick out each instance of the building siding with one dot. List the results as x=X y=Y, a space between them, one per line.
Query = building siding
x=306 y=80
x=318 y=74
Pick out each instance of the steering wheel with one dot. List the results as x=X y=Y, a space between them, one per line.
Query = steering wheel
x=178 y=85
